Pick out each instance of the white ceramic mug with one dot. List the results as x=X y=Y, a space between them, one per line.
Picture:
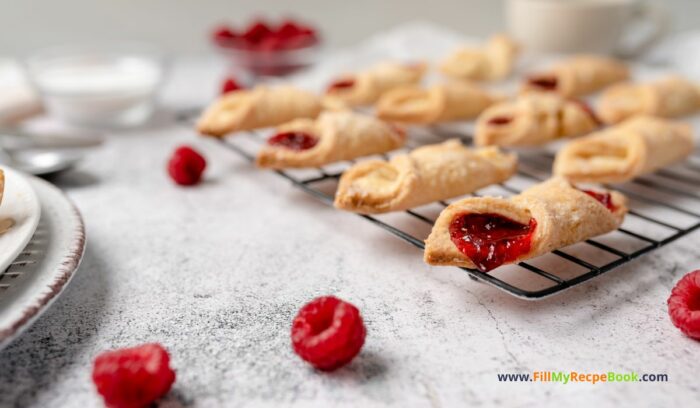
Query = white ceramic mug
x=596 y=26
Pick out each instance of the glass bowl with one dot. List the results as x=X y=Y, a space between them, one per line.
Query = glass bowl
x=268 y=63
x=98 y=86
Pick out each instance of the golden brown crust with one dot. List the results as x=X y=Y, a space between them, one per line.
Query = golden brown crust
x=492 y=62
x=257 y=108
x=447 y=102
x=669 y=97
x=427 y=174
x=580 y=75
x=564 y=216
x=368 y=86
x=531 y=120
x=341 y=136
x=637 y=146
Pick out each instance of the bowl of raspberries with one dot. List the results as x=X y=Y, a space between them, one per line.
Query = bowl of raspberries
x=266 y=49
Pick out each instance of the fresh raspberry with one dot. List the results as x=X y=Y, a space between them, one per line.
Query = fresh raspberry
x=301 y=40
x=272 y=43
x=223 y=35
x=186 y=166
x=684 y=305
x=297 y=35
x=328 y=333
x=288 y=29
x=133 y=377
x=229 y=85
x=257 y=31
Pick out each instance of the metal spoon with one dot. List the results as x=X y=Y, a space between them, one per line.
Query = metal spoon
x=40 y=163
x=43 y=154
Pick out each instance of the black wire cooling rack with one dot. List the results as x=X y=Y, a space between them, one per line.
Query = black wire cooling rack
x=664 y=206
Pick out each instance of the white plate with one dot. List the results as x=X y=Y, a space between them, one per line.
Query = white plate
x=45 y=266
x=20 y=205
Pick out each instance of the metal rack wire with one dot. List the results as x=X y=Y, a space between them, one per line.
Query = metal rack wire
x=663 y=207
x=24 y=262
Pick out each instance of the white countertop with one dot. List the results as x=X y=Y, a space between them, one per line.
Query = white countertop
x=217 y=272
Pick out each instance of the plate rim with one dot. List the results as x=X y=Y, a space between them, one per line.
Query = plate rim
x=62 y=275
x=22 y=178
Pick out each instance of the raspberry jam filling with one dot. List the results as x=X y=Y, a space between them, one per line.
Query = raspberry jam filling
x=546 y=83
x=587 y=108
x=293 y=140
x=341 y=84
x=401 y=132
x=500 y=120
x=491 y=240
x=416 y=66
x=603 y=198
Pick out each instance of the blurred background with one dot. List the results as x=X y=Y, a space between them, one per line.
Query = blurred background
x=222 y=40
x=179 y=25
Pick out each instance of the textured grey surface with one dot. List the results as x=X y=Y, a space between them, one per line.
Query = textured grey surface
x=216 y=273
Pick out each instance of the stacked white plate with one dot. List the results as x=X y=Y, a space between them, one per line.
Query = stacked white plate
x=42 y=239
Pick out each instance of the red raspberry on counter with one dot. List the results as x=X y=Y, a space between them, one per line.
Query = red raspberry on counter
x=684 y=305
x=133 y=377
x=229 y=85
x=328 y=333
x=186 y=166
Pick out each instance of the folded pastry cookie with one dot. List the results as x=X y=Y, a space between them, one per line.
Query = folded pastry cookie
x=492 y=62
x=364 y=88
x=637 y=146
x=533 y=119
x=669 y=98
x=487 y=232
x=427 y=174
x=441 y=103
x=333 y=137
x=258 y=108
x=578 y=76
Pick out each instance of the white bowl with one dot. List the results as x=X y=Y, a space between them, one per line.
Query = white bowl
x=98 y=86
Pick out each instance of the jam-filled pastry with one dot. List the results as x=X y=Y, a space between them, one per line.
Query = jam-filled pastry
x=492 y=62
x=258 y=108
x=365 y=88
x=487 y=232
x=637 y=146
x=578 y=76
x=427 y=174
x=333 y=137
x=533 y=119
x=446 y=102
x=669 y=98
